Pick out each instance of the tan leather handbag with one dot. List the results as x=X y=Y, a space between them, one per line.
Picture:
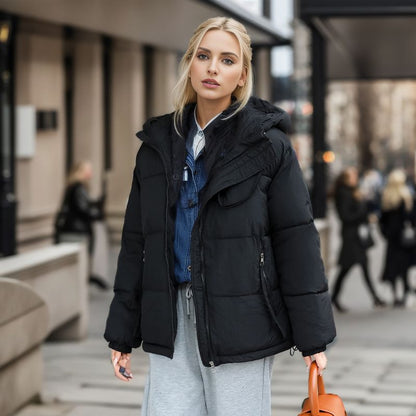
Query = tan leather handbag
x=320 y=403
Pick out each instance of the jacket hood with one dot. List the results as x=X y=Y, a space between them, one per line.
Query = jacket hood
x=260 y=113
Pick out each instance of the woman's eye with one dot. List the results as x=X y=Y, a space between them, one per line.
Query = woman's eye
x=228 y=61
x=202 y=56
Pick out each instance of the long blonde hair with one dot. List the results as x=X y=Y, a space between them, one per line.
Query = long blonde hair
x=396 y=192
x=77 y=173
x=183 y=91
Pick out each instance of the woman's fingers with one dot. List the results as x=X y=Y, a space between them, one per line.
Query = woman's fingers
x=121 y=365
x=125 y=363
x=308 y=361
x=320 y=359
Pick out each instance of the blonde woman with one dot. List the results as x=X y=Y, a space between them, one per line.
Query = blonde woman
x=78 y=211
x=220 y=266
x=397 y=210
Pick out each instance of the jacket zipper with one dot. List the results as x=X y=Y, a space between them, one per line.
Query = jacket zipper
x=210 y=354
x=166 y=240
x=264 y=280
x=211 y=361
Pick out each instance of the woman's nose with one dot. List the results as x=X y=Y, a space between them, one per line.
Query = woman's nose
x=212 y=68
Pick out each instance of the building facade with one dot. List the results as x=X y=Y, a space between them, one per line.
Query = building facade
x=82 y=80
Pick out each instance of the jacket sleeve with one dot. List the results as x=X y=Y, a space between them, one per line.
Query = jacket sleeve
x=123 y=322
x=298 y=259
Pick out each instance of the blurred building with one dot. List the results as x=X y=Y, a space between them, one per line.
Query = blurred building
x=360 y=49
x=77 y=80
x=372 y=124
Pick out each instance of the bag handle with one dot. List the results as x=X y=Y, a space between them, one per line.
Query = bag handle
x=315 y=387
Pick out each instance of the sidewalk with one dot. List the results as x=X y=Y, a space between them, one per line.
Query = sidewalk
x=372 y=365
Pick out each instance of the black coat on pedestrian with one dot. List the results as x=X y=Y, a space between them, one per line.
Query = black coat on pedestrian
x=77 y=212
x=352 y=212
x=258 y=280
x=398 y=259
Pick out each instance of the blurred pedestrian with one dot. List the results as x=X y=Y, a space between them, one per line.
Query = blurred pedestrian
x=371 y=185
x=396 y=220
x=356 y=234
x=220 y=266
x=78 y=211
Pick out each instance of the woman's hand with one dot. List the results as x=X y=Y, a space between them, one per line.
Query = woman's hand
x=320 y=359
x=121 y=360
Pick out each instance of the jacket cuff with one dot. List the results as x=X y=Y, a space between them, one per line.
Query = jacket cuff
x=119 y=347
x=314 y=351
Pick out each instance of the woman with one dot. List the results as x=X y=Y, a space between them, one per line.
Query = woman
x=229 y=271
x=353 y=213
x=397 y=210
x=78 y=211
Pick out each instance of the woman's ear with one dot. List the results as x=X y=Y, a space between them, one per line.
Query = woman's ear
x=243 y=78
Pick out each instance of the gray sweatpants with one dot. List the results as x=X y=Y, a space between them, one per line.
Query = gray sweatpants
x=182 y=386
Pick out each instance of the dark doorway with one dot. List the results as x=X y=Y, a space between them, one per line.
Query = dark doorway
x=7 y=139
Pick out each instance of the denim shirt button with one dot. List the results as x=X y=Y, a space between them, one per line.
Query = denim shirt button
x=189 y=268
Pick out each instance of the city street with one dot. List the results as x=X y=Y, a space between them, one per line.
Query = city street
x=78 y=79
x=372 y=364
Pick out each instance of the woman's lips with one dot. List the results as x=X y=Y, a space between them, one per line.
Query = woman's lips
x=210 y=83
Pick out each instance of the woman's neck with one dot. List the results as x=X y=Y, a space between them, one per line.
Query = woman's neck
x=206 y=110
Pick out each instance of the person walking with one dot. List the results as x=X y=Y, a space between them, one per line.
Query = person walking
x=356 y=235
x=397 y=216
x=74 y=221
x=220 y=266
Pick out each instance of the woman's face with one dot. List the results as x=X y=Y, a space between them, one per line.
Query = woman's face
x=87 y=172
x=217 y=68
x=352 y=177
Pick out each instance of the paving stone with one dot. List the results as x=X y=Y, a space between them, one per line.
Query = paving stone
x=276 y=411
x=110 y=397
x=365 y=384
x=137 y=382
x=287 y=401
x=293 y=378
x=391 y=399
x=294 y=389
x=401 y=378
x=350 y=394
x=45 y=410
x=393 y=387
x=372 y=410
x=104 y=411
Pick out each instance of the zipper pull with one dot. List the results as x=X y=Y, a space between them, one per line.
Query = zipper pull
x=261 y=259
x=211 y=363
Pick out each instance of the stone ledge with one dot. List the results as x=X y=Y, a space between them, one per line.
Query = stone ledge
x=23 y=327
x=53 y=271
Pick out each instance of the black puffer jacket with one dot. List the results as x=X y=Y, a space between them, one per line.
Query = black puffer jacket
x=352 y=212
x=258 y=279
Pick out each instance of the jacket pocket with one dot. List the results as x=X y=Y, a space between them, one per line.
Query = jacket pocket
x=238 y=193
x=271 y=297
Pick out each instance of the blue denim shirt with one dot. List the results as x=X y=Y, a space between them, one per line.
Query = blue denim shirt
x=187 y=207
